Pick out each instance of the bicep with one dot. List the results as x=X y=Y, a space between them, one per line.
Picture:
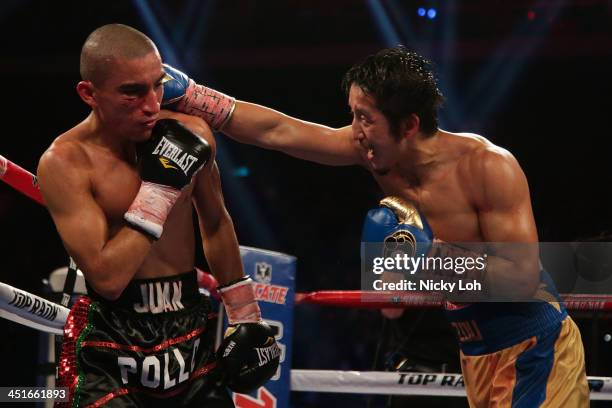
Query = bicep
x=79 y=220
x=508 y=227
x=505 y=214
x=503 y=201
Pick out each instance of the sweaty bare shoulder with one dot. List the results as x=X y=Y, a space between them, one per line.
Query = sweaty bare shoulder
x=475 y=138
x=494 y=176
x=63 y=168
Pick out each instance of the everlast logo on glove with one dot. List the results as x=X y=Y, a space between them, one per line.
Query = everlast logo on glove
x=267 y=354
x=167 y=149
x=229 y=348
x=172 y=146
x=249 y=356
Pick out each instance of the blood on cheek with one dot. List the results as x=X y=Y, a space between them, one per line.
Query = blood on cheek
x=129 y=103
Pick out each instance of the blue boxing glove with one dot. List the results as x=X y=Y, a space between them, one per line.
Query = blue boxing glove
x=182 y=94
x=175 y=85
x=400 y=226
x=402 y=230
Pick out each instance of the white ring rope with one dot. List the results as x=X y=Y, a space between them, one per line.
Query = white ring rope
x=395 y=383
x=31 y=310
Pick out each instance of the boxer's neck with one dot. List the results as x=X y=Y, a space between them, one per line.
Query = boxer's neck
x=419 y=155
x=104 y=135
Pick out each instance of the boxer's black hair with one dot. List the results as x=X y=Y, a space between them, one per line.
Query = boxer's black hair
x=402 y=82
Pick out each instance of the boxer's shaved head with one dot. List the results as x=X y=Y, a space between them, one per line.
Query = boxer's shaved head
x=109 y=43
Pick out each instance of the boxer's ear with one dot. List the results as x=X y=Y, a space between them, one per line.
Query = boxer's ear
x=409 y=126
x=85 y=89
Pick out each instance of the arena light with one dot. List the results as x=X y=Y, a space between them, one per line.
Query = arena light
x=254 y=222
x=453 y=116
x=383 y=23
x=155 y=31
x=507 y=61
x=242 y=171
x=531 y=15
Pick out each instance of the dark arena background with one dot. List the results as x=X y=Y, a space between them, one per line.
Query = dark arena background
x=532 y=76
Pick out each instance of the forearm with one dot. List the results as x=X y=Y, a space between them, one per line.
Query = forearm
x=264 y=127
x=113 y=265
x=246 y=122
x=511 y=279
x=222 y=251
x=270 y=129
x=506 y=270
x=256 y=125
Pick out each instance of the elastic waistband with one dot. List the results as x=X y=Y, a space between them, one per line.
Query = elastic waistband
x=157 y=295
x=484 y=328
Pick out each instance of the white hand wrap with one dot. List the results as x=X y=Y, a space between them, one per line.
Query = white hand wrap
x=151 y=207
x=240 y=303
x=214 y=107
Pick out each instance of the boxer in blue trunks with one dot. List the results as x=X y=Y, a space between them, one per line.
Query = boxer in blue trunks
x=524 y=354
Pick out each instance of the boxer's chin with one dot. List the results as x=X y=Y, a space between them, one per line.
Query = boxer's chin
x=378 y=166
x=141 y=136
x=381 y=171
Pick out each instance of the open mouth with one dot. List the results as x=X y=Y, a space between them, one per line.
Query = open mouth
x=370 y=154
x=369 y=150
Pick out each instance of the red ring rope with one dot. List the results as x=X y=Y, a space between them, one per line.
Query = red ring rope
x=421 y=300
x=20 y=179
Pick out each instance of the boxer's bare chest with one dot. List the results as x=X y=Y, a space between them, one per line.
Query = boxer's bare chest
x=443 y=199
x=114 y=183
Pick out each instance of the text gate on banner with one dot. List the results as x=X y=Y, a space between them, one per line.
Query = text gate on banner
x=273 y=274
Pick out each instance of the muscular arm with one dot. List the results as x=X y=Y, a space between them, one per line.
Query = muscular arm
x=108 y=263
x=267 y=128
x=505 y=216
x=216 y=226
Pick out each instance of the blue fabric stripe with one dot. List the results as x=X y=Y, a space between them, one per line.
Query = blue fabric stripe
x=533 y=368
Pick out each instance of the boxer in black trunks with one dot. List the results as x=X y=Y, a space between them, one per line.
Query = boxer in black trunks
x=120 y=187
